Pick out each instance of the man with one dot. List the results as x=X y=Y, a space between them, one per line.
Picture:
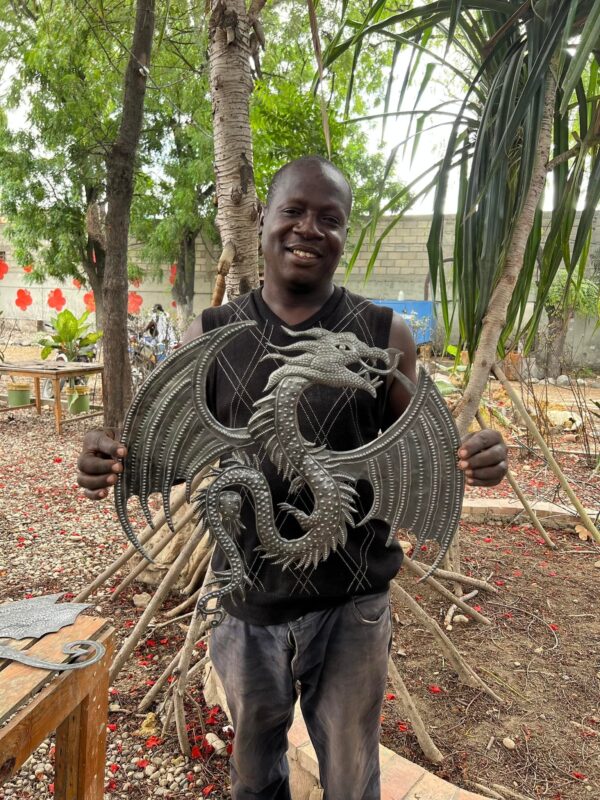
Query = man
x=327 y=629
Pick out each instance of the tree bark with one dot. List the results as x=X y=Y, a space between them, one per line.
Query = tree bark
x=120 y=172
x=550 y=356
x=183 y=288
x=231 y=85
x=496 y=314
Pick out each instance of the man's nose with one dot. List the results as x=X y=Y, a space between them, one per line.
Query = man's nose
x=308 y=226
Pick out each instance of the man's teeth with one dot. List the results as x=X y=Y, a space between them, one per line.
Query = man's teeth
x=303 y=253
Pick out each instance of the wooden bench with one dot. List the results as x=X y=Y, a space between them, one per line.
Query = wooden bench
x=35 y=702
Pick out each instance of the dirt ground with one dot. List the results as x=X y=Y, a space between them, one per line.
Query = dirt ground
x=540 y=654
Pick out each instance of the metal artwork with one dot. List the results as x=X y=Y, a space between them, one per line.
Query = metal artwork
x=170 y=433
x=34 y=618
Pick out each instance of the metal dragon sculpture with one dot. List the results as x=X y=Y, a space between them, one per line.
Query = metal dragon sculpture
x=171 y=434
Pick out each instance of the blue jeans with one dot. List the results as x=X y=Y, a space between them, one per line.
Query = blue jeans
x=338 y=658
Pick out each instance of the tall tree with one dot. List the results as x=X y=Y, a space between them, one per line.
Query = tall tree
x=120 y=165
x=230 y=29
x=530 y=73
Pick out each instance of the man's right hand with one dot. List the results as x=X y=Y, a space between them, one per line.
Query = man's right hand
x=99 y=463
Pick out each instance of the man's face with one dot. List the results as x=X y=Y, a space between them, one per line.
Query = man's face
x=304 y=227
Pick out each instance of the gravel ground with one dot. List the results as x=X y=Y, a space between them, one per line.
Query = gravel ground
x=54 y=540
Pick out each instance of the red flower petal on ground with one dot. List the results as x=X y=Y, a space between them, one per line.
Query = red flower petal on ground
x=208 y=789
x=196 y=752
x=111 y=727
x=3 y=268
x=403 y=726
x=23 y=299
x=89 y=302
x=579 y=776
x=114 y=768
x=153 y=741
x=553 y=626
x=390 y=697
x=76 y=283
x=56 y=300
x=499 y=583
x=51 y=788
x=172 y=274
x=433 y=689
x=28 y=268
x=58 y=460
x=142 y=763
x=134 y=303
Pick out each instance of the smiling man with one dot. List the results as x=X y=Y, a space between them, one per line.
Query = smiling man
x=323 y=630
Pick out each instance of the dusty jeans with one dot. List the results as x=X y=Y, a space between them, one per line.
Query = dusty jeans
x=339 y=657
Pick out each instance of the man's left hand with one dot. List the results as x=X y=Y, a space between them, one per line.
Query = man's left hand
x=483 y=458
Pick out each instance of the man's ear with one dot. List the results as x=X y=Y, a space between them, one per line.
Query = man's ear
x=261 y=219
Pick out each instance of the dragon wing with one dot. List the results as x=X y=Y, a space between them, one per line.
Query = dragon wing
x=169 y=430
x=412 y=467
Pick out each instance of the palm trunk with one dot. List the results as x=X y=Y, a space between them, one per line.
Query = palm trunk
x=231 y=85
x=120 y=169
x=495 y=318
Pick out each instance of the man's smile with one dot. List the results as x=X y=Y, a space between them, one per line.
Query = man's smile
x=303 y=252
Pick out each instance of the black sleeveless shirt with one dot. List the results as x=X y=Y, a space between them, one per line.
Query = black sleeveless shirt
x=341 y=419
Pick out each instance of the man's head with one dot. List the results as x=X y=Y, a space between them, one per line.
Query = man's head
x=304 y=223
x=158 y=309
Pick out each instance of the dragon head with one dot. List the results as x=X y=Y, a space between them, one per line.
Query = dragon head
x=324 y=357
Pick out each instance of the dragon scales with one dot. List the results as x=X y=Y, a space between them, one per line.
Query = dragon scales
x=171 y=433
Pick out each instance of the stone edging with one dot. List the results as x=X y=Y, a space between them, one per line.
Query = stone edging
x=400 y=778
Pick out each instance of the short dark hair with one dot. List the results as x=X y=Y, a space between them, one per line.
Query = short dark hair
x=313 y=159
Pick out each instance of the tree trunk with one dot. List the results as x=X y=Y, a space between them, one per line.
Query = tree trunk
x=496 y=314
x=550 y=354
x=119 y=191
x=231 y=85
x=93 y=266
x=95 y=249
x=183 y=288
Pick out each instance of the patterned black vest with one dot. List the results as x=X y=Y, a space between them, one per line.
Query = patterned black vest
x=341 y=419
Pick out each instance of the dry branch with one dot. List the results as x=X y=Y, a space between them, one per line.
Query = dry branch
x=521 y=496
x=426 y=744
x=223 y=267
x=532 y=428
x=417 y=570
x=157 y=600
x=139 y=568
x=466 y=674
x=468 y=580
x=177 y=499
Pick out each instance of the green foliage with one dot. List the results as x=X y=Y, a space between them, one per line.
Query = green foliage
x=568 y=295
x=71 y=336
x=501 y=54
x=286 y=114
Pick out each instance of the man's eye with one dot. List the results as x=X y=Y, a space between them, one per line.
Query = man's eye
x=331 y=220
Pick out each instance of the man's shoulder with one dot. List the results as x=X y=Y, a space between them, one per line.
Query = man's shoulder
x=240 y=308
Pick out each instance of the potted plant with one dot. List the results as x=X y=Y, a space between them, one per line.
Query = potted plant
x=72 y=338
x=19 y=394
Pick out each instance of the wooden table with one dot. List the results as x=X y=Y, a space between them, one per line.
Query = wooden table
x=73 y=703
x=56 y=371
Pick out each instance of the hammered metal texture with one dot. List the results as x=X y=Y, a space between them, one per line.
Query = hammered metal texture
x=170 y=432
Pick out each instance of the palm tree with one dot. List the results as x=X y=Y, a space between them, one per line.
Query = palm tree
x=531 y=78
